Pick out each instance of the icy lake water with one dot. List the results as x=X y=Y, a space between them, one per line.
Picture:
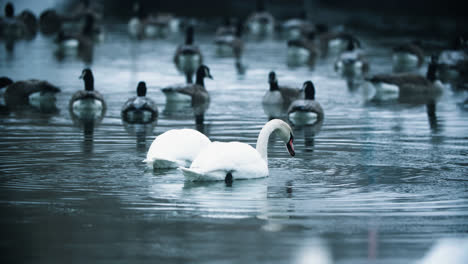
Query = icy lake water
x=372 y=183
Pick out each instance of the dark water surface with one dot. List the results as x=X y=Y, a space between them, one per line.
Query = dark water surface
x=373 y=183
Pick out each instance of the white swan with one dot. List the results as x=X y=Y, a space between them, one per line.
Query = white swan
x=175 y=148
x=235 y=160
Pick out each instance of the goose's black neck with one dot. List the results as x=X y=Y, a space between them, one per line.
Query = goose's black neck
x=189 y=36
x=309 y=92
x=89 y=82
x=431 y=71
x=88 y=25
x=200 y=78
x=274 y=86
x=9 y=10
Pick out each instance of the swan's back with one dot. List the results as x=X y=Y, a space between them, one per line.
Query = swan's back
x=177 y=146
x=219 y=158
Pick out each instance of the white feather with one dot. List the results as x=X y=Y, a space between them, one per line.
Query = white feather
x=176 y=147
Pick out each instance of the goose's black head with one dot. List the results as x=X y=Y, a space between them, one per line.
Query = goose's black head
x=432 y=68
x=141 y=89
x=203 y=72
x=189 y=35
x=87 y=76
x=309 y=90
x=5 y=81
x=351 y=45
x=273 y=81
x=9 y=10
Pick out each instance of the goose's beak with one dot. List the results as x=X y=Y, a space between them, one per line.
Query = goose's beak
x=209 y=76
x=81 y=76
x=290 y=146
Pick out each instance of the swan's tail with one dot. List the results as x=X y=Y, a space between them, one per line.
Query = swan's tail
x=161 y=163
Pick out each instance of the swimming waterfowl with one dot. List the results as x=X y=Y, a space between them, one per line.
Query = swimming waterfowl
x=280 y=95
x=136 y=24
x=453 y=63
x=230 y=44
x=408 y=56
x=195 y=93
x=11 y=27
x=336 y=42
x=175 y=148
x=82 y=40
x=35 y=93
x=139 y=109
x=226 y=28
x=407 y=84
x=87 y=103
x=296 y=28
x=230 y=161
x=261 y=23
x=188 y=56
x=145 y=25
x=352 y=62
x=307 y=110
x=51 y=22
x=302 y=51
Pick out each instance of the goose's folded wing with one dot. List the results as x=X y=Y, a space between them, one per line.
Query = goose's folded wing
x=305 y=106
x=289 y=94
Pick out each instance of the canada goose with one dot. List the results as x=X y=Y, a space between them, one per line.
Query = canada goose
x=280 y=95
x=336 y=42
x=230 y=44
x=87 y=103
x=139 y=109
x=35 y=93
x=261 y=23
x=302 y=51
x=230 y=161
x=453 y=63
x=295 y=28
x=226 y=28
x=407 y=84
x=188 y=57
x=407 y=56
x=11 y=28
x=307 y=110
x=196 y=93
x=352 y=62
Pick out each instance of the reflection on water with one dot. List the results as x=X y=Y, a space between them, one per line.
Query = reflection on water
x=375 y=181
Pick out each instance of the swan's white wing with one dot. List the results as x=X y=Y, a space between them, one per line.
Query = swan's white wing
x=176 y=147
x=219 y=158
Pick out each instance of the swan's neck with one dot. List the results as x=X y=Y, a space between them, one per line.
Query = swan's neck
x=262 y=141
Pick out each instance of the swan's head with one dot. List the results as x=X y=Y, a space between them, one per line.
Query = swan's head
x=284 y=131
x=141 y=89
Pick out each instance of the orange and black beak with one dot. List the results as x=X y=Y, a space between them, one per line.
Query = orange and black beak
x=290 y=146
